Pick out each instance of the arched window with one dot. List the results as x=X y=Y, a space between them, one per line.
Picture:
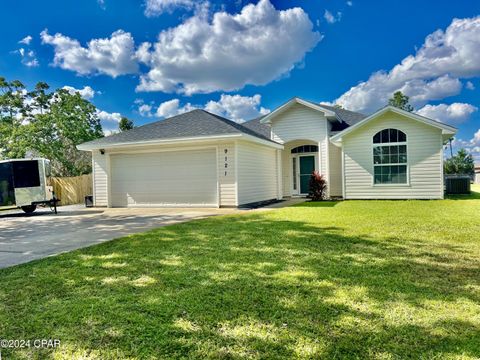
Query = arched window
x=305 y=149
x=390 y=157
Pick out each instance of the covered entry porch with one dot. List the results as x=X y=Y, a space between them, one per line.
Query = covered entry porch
x=299 y=159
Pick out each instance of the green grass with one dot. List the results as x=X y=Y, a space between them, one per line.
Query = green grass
x=356 y=279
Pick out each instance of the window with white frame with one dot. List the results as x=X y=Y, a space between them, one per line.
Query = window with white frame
x=304 y=149
x=390 y=157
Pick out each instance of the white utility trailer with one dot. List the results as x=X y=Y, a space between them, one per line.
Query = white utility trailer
x=23 y=183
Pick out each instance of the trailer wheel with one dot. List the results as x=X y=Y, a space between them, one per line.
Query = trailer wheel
x=28 y=209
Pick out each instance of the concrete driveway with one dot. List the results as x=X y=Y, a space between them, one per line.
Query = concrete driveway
x=27 y=237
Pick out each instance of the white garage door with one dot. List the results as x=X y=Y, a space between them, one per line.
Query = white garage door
x=179 y=178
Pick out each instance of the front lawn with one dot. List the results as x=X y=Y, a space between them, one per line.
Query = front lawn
x=356 y=279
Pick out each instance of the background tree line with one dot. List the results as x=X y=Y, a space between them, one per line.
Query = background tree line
x=49 y=124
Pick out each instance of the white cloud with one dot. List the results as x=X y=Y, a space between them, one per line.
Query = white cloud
x=234 y=107
x=330 y=18
x=109 y=121
x=421 y=91
x=455 y=113
x=145 y=110
x=472 y=145
x=87 y=92
x=26 y=40
x=476 y=138
x=172 y=107
x=31 y=63
x=28 y=57
x=226 y=52
x=158 y=7
x=143 y=52
x=469 y=85
x=113 y=56
x=432 y=73
x=109 y=117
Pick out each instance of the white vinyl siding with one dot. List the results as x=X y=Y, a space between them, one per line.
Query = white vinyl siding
x=335 y=183
x=226 y=175
x=226 y=185
x=300 y=125
x=257 y=173
x=424 y=172
x=100 y=178
x=165 y=178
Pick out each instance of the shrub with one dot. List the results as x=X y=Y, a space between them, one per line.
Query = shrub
x=318 y=187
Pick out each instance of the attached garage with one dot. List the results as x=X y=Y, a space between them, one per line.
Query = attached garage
x=167 y=178
x=189 y=160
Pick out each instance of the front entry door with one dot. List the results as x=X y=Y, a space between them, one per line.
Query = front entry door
x=307 y=166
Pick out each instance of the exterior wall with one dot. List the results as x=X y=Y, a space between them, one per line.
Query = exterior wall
x=300 y=125
x=477 y=177
x=425 y=161
x=100 y=165
x=227 y=181
x=335 y=162
x=257 y=173
x=227 y=184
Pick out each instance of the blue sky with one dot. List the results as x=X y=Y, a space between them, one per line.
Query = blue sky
x=241 y=60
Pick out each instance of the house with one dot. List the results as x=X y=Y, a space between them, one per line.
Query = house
x=477 y=175
x=201 y=159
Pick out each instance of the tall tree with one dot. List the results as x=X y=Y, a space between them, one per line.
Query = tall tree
x=125 y=124
x=13 y=117
x=461 y=163
x=47 y=124
x=41 y=99
x=400 y=101
x=69 y=121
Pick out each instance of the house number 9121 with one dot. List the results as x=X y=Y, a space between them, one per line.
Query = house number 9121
x=226 y=161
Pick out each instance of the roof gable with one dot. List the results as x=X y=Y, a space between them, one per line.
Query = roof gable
x=446 y=129
x=268 y=118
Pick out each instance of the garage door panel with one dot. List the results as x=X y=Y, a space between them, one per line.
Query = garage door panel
x=164 y=178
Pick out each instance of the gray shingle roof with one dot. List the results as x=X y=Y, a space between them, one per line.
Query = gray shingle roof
x=258 y=127
x=197 y=123
x=194 y=123
x=347 y=116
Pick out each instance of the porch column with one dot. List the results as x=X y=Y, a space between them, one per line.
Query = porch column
x=279 y=175
x=319 y=159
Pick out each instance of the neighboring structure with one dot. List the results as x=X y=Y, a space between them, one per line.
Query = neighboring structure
x=201 y=159
x=477 y=175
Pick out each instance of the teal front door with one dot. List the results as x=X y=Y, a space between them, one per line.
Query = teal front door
x=307 y=166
